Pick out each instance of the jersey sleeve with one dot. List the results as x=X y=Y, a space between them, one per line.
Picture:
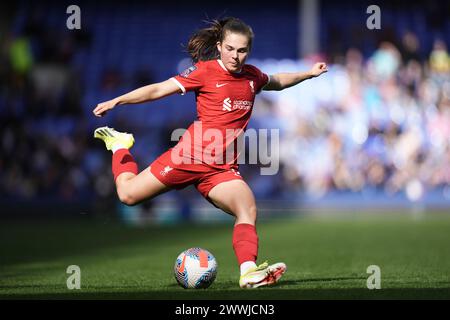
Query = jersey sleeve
x=191 y=79
x=262 y=79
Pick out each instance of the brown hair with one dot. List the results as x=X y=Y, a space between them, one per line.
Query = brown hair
x=202 y=46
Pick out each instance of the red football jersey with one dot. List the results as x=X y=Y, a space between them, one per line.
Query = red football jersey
x=224 y=106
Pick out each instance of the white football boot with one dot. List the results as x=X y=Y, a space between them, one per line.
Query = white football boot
x=114 y=139
x=262 y=275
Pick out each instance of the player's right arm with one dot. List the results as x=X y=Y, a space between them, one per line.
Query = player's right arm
x=281 y=81
x=144 y=94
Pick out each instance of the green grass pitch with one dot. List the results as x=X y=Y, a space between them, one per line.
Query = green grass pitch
x=327 y=258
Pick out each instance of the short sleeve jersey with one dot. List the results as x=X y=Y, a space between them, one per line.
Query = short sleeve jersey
x=224 y=106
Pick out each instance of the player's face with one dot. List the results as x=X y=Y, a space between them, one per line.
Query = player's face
x=233 y=51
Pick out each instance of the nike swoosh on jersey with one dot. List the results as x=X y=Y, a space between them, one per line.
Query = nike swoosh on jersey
x=220 y=85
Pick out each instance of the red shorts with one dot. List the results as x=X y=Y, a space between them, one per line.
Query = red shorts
x=202 y=176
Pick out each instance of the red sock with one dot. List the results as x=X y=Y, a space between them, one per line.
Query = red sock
x=245 y=242
x=123 y=161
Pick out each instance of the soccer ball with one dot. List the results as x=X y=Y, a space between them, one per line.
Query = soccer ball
x=195 y=268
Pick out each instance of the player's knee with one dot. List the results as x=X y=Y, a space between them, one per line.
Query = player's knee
x=248 y=213
x=252 y=212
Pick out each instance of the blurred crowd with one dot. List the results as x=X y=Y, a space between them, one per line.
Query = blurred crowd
x=380 y=122
x=46 y=151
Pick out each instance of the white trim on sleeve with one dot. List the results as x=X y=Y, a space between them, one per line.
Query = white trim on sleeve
x=179 y=85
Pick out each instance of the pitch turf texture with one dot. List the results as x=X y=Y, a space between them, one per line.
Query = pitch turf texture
x=326 y=258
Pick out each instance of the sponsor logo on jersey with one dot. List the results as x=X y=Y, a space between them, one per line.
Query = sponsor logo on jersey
x=242 y=104
x=220 y=85
x=229 y=105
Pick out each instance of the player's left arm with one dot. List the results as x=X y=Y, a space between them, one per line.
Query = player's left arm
x=280 y=81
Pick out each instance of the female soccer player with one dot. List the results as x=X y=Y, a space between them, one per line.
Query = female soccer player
x=225 y=90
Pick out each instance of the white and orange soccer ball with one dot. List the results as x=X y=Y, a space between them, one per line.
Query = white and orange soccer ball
x=195 y=268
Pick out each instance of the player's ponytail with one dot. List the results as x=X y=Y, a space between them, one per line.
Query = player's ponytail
x=202 y=46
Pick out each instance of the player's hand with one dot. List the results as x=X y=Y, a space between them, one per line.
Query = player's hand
x=102 y=108
x=318 y=68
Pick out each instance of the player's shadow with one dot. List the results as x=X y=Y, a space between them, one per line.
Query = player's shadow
x=306 y=280
x=291 y=282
